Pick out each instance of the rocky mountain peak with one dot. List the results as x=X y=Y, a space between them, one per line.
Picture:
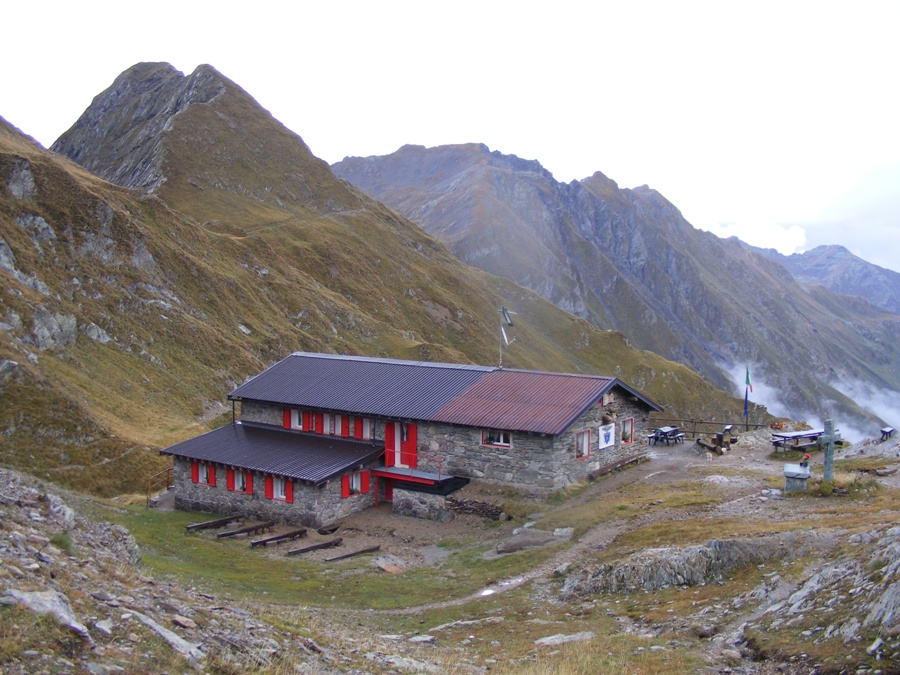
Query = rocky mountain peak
x=119 y=136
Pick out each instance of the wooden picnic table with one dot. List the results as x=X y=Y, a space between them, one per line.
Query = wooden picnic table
x=667 y=435
x=797 y=440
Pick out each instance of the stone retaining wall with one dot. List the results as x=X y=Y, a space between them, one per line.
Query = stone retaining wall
x=420 y=505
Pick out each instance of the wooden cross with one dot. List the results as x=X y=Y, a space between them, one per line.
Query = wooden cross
x=826 y=442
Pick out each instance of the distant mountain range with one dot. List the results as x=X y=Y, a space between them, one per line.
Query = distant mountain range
x=626 y=259
x=196 y=241
x=838 y=270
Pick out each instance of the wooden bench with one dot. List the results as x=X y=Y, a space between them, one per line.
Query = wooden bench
x=220 y=522
x=316 y=547
x=249 y=529
x=278 y=538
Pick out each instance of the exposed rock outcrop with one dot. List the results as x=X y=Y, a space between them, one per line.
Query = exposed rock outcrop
x=656 y=568
x=145 y=98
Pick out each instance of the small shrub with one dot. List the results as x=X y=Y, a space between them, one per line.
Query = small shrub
x=63 y=541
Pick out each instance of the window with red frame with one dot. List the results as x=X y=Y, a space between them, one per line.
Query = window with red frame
x=354 y=484
x=583 y=444
x=279 y=488
x=628 y=431
x=499 y=438
x=238 y=480
x=203 y=473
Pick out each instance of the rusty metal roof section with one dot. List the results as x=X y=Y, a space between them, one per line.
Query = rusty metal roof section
x=306 y=457
x=362 y=386
x=477 y=396
x=520 y=400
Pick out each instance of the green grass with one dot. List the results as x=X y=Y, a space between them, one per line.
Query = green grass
x=231 y=568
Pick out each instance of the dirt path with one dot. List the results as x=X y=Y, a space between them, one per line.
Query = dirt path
x=664 y=465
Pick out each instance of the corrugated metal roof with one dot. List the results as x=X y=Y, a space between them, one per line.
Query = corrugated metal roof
x=519 y=400
x=477 y=396
x=355 y=385
x=306 y=457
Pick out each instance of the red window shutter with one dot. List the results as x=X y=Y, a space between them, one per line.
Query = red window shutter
x=320 y=422
x=364 y=482
x=306 y=423
x=357 y=427
x=345 y=487
x=248 y=481
x=345 y=426
x=408 y=448
x=286 y=418
x=211 y=474
x=389 y=444
x=288 y=490
x=229 y=479
x=195 y=472
x=268 y=487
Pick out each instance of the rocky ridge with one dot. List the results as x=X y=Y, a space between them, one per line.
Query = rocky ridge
x=627 y=259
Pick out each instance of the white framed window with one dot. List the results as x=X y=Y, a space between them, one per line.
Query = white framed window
x=368 y=429
x=278 y=491
x=499 y=438
x=583 y=444
x=240 y=481
x=327 y=423
x=355 y=483
x=297 y=419
x=203 y=473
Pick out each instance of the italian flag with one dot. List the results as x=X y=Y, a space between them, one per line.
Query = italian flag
x=749 y=386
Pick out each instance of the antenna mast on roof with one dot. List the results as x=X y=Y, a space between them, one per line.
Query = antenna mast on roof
x=505 y=320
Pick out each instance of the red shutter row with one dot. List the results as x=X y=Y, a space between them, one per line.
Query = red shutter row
x=316 y=422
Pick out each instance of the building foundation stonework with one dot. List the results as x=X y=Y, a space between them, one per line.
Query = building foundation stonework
x=416 y=504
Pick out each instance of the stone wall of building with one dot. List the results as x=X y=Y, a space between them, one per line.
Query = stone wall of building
x=312 y=506
x=261 y=412
x=533 y=462
x=420 y=505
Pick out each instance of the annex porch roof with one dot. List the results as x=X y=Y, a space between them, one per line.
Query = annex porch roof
x=306 y=457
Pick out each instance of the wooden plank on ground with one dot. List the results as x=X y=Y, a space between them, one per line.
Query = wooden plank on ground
x=371 y=549
x=278 y=538
x=219 y=522
x=260 y=527
x=315 y=547
x=609 y=468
